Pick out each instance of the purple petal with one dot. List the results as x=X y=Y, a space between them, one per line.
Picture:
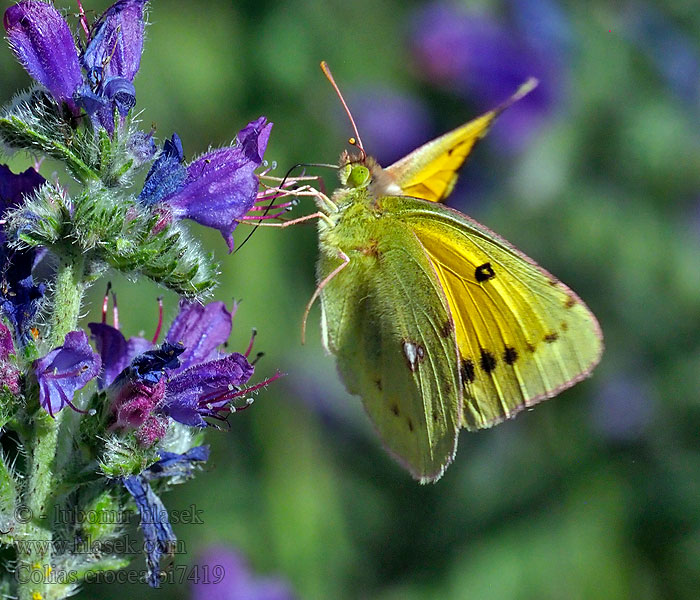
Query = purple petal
x=65 y=370
x=13 y=188
x=201 y=330
x=115 y=351
x=42 y=42
x=116 y=45
x=206 y=389
x=221 y=186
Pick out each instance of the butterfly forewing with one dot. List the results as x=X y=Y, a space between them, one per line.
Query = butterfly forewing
x=386 y=319
x=430 y=172
x=522 y=335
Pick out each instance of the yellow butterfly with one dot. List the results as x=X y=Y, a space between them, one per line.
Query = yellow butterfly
x=436 y=321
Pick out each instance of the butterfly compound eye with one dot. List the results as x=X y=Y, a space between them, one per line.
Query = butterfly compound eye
x=359 y=176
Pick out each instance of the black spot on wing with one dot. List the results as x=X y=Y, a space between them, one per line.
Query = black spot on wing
x=467 y=370
x=551 y=337
x=484 y=272
x=395 y=409
x=488 y=361
x=510 y=355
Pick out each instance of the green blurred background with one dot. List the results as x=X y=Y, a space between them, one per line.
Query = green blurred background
x=595 y=494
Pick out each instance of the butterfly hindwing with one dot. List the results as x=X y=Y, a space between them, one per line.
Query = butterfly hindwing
x=522 y=335
x=385 y=318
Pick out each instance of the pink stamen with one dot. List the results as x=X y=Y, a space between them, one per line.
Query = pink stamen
x=160 y=320
x=272 y=207
x=115 y=311
x=229 y=395
x=261 y=217
x=250 y=344
x=105 y=303
x=83 y=20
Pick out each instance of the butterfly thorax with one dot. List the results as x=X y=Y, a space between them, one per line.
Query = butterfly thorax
x=353 y=223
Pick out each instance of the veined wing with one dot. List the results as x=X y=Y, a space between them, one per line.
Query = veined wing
x=385 y=318
x=523 y=336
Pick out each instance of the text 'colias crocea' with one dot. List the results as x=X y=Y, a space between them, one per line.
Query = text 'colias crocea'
x=436 y=321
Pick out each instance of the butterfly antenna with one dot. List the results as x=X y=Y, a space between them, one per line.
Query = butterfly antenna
x=281 y=186
x=355 y=141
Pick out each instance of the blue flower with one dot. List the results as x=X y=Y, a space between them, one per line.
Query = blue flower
x=159 y=538
x=215 y=190
x=64 y=371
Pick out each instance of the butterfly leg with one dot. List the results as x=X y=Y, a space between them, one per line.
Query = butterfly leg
x=346 y=261
x=316 y=215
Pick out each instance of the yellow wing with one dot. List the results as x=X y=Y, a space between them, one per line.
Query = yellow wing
x=430 y=172
x=522 y=335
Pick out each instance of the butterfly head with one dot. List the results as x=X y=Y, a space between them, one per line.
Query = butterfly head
x=358 y=171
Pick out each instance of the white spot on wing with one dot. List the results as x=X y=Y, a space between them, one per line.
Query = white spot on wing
x=414 y=354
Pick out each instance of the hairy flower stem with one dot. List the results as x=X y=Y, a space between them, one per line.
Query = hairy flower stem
x=36 y=510
x=35 y=535
x=67 y=299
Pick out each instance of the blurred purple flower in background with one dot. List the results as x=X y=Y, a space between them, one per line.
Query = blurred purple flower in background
x=391 y=123
x=623 y=408
x=479 y=58
x=225 y=575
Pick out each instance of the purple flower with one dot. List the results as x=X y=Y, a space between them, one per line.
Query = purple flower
x=158 y=536
x=64 y=371
x=186 y=379
x=218 y=188
x=481 y=59
x=111 y=61
x=116 y=42
x=13 y=188
x=42 y=42
x=207 y=389
x=230 y=578
x=623 y=408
